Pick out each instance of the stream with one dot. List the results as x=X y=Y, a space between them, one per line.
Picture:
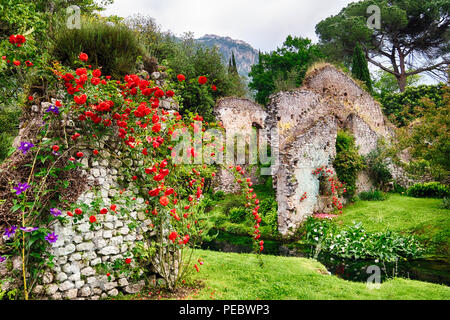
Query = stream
x=435 y=271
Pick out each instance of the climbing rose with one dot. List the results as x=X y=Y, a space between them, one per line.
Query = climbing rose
x=104 y=211
x=202 y=80
x=83 y=56
x=173 y=236
x=127 y=260
x=78 y=211
x=164 y=201
x=214 y=88
x=181 y=77
x=92 y=219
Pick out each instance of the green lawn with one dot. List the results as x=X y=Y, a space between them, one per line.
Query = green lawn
x=241 y=276
x=419 y=216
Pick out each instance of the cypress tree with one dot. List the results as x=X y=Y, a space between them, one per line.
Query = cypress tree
x=233 y=61
x=360 y=68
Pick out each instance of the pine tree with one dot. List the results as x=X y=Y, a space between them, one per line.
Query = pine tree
x=360 y=68
x=233 y=61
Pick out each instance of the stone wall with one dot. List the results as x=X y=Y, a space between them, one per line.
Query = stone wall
x=239 y=116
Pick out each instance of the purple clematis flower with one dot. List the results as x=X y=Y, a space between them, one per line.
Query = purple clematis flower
x=53 y=109
x=25 y=146
x=28 y=229
x=2 y=259
x=9 y=232
x=21 y=187
x=56 y=212
x=51 y=237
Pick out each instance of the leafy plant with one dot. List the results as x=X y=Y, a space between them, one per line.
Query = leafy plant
x=347 y=162
x=429 y=190
x=372 y=195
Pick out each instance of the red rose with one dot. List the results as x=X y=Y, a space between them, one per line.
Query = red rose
x=80 y=154
x=55 y=148
x=156 y=128
x=103 y=211
x=164 y=201
x=113 y=207
x=181 y=77
x=127 y=260
x=78 y=211
x=95 y=152
x=16 y=62
x=170 y=93
x=214 y=88
x=173 y=236
x=154 y=192
x=83 y=56
x=92 y=219
x=96 y=73
x=159 y=93
x=202 y=80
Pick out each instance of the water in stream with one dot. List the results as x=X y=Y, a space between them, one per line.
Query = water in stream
x=436 y=271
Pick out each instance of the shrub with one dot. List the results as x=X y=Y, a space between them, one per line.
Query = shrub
x=402 y=108
x=445 y=203
x=269 y=214
x=373 y=195
x=237 y=214
x=348 y=162
x=429 y=190
x=114 y=47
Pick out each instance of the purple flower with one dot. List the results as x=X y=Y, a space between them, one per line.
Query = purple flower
x=56 y=212
x=28 y=229
x=51 y=237
x=9 y=232
x=53 y=109
x=25 y=146
x=21 y=187
x=2 y=259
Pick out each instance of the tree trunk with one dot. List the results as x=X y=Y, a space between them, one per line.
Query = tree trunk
x=401 y=80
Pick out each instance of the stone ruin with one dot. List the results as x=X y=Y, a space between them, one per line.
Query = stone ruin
x=307 y=120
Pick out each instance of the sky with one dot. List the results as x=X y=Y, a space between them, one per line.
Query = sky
x=264 y=24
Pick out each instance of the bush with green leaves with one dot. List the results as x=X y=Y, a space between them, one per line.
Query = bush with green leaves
x=372 y=195
x=347 y=162
x=114 y=47
x=429 y=190
x=402 y=108
x=237 y=214
x=445 y=203
x=354 y=242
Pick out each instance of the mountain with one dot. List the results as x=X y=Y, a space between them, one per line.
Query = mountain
x=245 y=54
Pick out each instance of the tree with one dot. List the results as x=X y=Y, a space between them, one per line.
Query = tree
x=360 y=69
x=284 y=68
x=413 y=36
x=385 y=82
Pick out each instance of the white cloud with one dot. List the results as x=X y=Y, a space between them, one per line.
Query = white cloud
x=262 y=23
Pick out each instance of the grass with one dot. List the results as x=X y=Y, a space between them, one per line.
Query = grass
x=422 y=217
x=229 y=276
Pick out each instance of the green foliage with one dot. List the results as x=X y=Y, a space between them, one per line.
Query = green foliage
x=237 y=214
x=429 y=190
x=347 y=162
x=386 y=82
x=354 y=242
x=284 y=68
x=372 y=195
x=9 y=125
x=403 y=108
x=269 y=214
x=113 y=47
x=445 y=203
x=376 y=166
x=360 y=69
